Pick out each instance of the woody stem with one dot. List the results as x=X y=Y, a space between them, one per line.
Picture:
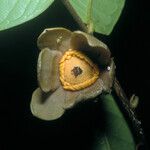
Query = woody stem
x=75 y=15
x=131 y=114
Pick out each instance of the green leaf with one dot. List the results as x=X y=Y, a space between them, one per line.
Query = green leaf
x=116 y=134
x=15 y=12
x=105 y=13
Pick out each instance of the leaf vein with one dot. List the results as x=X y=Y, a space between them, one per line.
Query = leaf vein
x=9 y=12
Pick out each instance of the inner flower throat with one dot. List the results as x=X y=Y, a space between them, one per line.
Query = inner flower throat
x=77 y=71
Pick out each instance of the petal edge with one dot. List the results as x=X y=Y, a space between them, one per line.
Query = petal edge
x=47 y=106
x=47 y=70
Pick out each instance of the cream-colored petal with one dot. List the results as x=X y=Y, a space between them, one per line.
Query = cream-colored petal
x=55 y=39
x=48 y=70
x=92 y=47
x=48 y=106
x=108 y=76
x=73 y=97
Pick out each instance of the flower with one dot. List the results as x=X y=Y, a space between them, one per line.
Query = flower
x=72 y=67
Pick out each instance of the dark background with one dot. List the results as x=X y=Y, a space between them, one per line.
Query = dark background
x=129 y=44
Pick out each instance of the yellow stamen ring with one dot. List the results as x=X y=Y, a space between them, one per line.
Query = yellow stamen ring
x=73 y=58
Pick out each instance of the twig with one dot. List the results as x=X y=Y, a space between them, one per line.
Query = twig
x=135 y=122
x=75 y=15
x=90 y=17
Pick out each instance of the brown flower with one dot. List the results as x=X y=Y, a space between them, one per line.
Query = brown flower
x=72 y=66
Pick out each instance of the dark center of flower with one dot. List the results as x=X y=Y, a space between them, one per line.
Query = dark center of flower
x=76 y=71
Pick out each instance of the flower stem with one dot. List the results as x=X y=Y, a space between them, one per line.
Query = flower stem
x=89 y=17
x=88 y=28
x=75 y=15
x=131 y=114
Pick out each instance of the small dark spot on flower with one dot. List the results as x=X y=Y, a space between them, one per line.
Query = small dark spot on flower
x=76 y=71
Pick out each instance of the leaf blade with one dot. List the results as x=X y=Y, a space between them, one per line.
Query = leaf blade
x=105 y=13
x=117 y=134
x=15 y=12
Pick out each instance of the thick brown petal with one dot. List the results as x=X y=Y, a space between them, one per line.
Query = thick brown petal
x=55 y=39
x=92 y=47
x=48 y=70
x=73 y=97
x=108 y=76
x=47 y=106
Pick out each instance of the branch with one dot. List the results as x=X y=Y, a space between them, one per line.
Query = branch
x=125 y=102
x=75 y=15
x=90 y=18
